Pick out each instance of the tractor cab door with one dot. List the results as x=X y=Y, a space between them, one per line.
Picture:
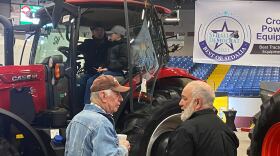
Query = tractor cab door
x=147 y=50
x=55 y=47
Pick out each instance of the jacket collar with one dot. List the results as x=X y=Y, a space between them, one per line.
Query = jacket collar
x=202 y=112
x=94 y=108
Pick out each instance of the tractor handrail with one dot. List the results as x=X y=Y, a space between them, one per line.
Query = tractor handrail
x=8 y=40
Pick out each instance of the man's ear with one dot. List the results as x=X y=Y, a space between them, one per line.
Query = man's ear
x=102 y=95
x=198 y=104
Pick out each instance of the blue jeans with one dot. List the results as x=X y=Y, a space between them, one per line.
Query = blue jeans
x=90 y=80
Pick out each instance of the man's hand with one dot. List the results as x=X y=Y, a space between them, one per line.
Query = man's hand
x=125 y=143
x=100 y=69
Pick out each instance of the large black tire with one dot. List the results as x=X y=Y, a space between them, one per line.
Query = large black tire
x=270 y=114
x=7 y=149
x=141 y=125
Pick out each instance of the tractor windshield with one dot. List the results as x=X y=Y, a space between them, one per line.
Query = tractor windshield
x=50 y=39
x=147 y=43
x=147 y=47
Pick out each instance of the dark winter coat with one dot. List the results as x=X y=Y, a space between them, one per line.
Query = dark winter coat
x=203 y=134
x=118 y=56
x=95 y=54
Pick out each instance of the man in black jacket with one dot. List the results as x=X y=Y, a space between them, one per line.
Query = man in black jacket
x=202 y=132
x=94 y=50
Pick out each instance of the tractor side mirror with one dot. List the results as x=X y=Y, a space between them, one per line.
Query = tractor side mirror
x=174 y=47
x=175 y=42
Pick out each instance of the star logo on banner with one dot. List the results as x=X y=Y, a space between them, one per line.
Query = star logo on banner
x=224 y=30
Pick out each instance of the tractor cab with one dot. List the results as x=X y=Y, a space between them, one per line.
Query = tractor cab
x=147 y=48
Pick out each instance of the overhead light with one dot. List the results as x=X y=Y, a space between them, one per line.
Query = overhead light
x=131 y=41
x=143 y=14
x=172 y=19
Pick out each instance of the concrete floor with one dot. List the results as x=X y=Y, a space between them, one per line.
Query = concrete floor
x=244 y=143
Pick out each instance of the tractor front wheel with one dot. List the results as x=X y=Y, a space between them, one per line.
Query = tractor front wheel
x=148 y=129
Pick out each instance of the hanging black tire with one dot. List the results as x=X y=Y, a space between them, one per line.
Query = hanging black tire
x=270 y=114
x=141 y=125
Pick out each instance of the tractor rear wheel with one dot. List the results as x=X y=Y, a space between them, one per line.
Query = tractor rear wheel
x=148 y=129
x=7 y=149
x=21 y=135
x=269 y=117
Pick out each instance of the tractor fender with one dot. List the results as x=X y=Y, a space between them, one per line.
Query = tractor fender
x=166 y=72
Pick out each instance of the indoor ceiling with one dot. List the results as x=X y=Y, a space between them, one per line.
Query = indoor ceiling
x=188 y=4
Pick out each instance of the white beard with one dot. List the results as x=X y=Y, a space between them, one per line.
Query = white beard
x=187 y=112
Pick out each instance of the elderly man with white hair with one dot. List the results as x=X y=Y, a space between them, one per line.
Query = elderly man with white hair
x=202 y=132
x=91 y=132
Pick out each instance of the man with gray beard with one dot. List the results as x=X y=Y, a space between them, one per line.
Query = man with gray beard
x=202 y=132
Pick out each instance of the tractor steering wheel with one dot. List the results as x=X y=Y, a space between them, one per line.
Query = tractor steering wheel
x=64 y=50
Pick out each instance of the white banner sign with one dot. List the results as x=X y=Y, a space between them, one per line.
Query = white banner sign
x=237 y=32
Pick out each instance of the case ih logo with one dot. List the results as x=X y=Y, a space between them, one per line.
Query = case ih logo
x=24 y=77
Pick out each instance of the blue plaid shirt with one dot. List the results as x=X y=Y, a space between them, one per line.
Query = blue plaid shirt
x=92 y=133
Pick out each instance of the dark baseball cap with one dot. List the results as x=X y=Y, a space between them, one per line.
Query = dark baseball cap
x=96 y=25
x=105 y=82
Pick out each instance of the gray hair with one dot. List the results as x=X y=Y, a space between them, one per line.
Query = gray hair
x=202 y=90
x=95 y=95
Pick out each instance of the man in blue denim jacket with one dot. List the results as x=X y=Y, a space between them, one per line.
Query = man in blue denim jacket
x=91 y=132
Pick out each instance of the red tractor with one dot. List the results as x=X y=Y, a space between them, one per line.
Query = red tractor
x=265 y=136
x=38 y=100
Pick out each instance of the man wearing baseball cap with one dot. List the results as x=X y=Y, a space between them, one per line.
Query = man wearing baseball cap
x=117 y=54
x=91 y=132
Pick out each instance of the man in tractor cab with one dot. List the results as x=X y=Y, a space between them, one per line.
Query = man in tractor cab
x=94 y=50
x=95 y=54
x=117 y=60
x=117 y=54
x=202 y=132
x=92 y=132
